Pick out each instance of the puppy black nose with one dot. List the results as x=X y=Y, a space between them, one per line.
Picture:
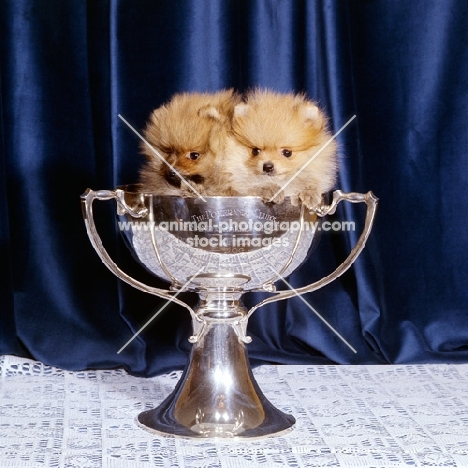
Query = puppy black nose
x=172 y=178
x=268 y=167
x=172 y=174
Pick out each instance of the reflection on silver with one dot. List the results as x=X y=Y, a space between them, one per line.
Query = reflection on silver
x=222 y=247
x=218 y=424
x=236 y=240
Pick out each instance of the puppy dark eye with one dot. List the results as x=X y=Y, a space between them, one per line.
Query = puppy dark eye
x=286 y=153
x=194 y=155
x=255 y=151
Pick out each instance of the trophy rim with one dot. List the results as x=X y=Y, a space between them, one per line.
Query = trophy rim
x=134 y=190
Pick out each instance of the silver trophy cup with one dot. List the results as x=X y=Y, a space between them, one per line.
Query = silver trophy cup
x=220 y=248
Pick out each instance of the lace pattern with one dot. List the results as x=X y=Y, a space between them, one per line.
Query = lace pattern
x=347 y=416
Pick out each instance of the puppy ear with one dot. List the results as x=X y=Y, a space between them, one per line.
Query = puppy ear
x=210 y=112
x=310 y=112
x=241 y=110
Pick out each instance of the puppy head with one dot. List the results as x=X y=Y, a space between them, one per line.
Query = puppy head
x=278 y=131
x=185 y=133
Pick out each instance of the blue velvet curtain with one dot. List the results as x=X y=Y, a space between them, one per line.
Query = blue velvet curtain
x=68 y=68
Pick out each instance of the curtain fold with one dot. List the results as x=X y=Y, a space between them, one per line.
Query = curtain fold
x=68 y=69
x=411 y=76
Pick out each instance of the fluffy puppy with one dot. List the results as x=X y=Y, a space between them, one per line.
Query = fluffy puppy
x=275 y=150
x=190 y=133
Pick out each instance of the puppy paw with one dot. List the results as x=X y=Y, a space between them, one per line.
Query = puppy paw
x=230 y=192
x=310 y=199
x=271 y=194
x=195 y=190
x=295 y=200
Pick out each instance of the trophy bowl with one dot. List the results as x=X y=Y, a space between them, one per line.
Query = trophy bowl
x=219 y=248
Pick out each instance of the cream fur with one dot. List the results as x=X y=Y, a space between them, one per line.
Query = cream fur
x=273 y=123
x=286 y=130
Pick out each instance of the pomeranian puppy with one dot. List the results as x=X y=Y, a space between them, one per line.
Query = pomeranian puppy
x=280 y=148
x=190 y=133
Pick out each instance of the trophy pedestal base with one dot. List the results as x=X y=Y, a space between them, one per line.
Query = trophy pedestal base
x=161 y=421
x=217 y=395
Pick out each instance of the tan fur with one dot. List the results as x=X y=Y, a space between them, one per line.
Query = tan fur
x=273 y=123
x=189 y=123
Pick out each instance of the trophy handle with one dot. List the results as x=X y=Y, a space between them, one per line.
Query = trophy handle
x=87 y=200
x=371 y=201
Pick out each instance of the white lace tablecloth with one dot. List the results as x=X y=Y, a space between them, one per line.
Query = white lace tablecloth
x=347 y=416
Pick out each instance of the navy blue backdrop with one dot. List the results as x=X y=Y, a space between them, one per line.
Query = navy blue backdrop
x=69 y=68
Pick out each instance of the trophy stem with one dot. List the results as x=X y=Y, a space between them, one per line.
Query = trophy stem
x=217 y=395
